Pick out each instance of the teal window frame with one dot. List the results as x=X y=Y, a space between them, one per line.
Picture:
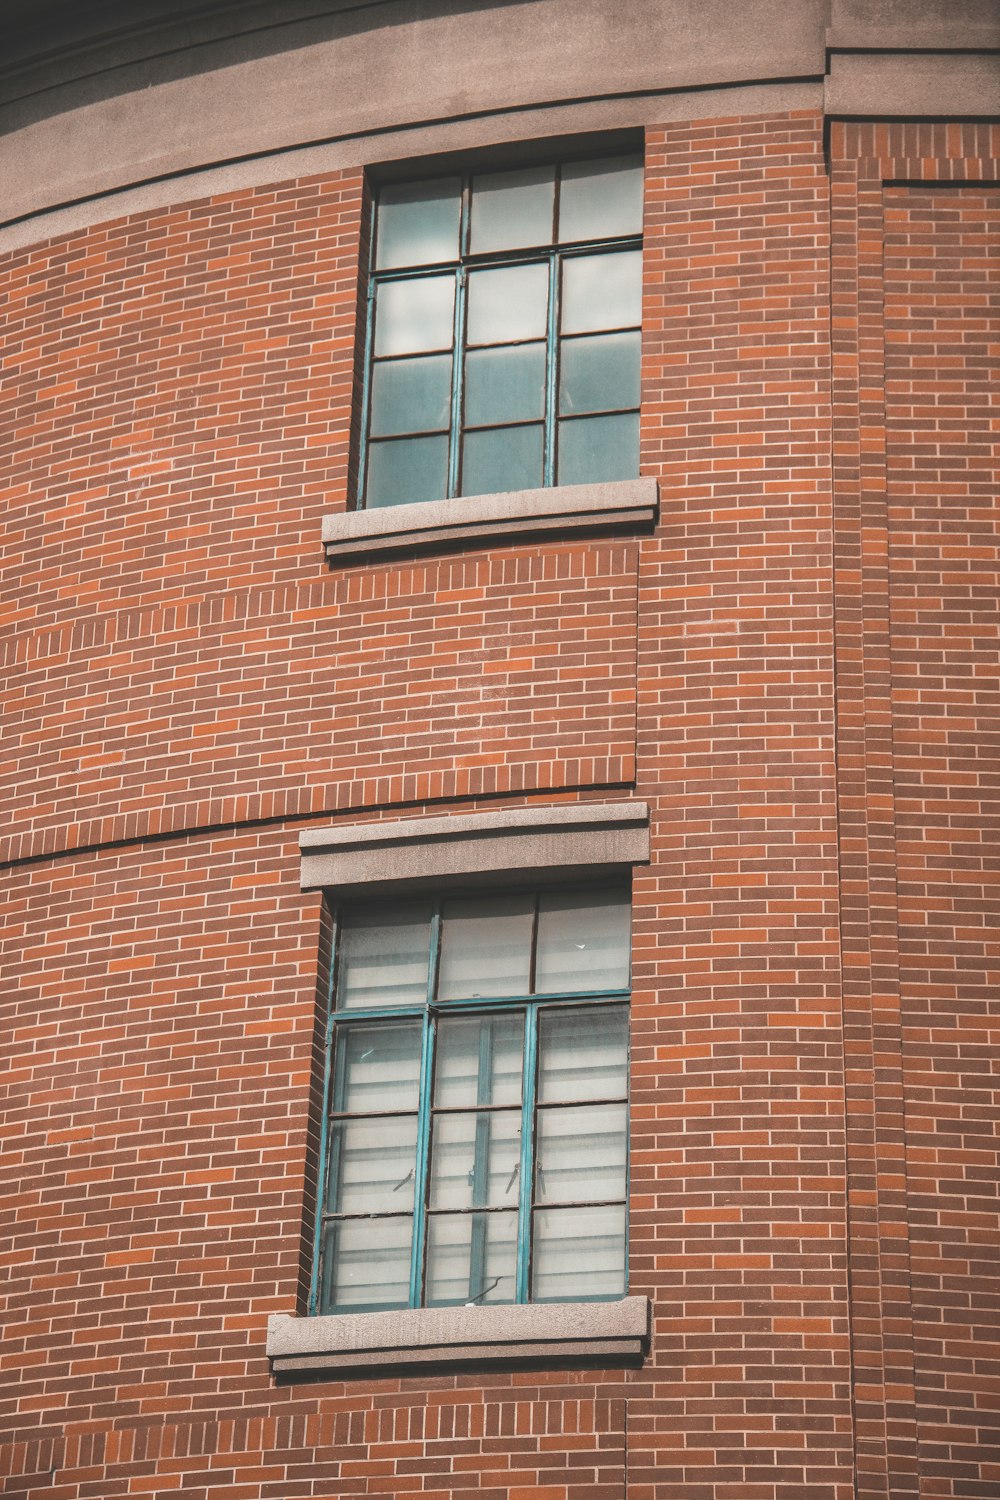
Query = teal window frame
x=429 y=1012
x=554 y=255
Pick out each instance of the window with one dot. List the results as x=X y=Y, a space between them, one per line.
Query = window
x=503 y=332
x=475 y=1141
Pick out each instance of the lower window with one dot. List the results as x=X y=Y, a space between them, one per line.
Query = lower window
x=475 y=1144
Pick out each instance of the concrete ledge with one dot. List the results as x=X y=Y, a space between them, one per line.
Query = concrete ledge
x=884 y=85
x=566 y=841
x=522 y=515
x=601 y=1332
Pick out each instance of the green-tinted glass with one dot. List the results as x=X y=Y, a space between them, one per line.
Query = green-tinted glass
x=402 y=471
x=367 y=1264
x=411 y=395
x=578 y=1253
x=415 y=316
x=599 y=374
x=592 y=449
x=600 y=199
x=377 y=1067
x=512 y=209
x=471 y=1258
x=418 y=223
x=504 y=384
x=601 y=291
x=508 y=303
x=496 y=460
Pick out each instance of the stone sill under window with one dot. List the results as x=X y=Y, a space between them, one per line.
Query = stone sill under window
x=605 y=1333
x=522 y=515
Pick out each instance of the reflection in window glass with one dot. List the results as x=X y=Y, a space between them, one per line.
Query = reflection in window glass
x=578 y=1253
x=414 y=317
x=384 y=955
x=583 y=1055
x=403 y=471
x=377 y=1067
x=512 y=209
x=504 y=385
x=508 y=304
x=475 y=1159
x=592 y=449
x=583 y=941
x=471 y=1258
x=485 y=947
x=411 y=395
x=599 y=373
x=368 y=1263
x=581 y=1154
x=601 y=291
x=479 y=1060
x=600 y=199
x=418 y=223
x=372 y=1165
x=496 y=460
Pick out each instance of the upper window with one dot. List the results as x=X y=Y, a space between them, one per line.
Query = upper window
x=503 y=332
x=475 y=1120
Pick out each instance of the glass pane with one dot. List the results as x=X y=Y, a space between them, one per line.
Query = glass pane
x=402 y=471
x=414 y=316
x=418 y=223
x=599 y=374
x=512 y=209
x=412 y=395
x=479 y=1060
x=496 y=460
x=475 y=1158
x=504 y=385
x=372 y=1165
x=580 y=1154
x=384 y=955
x=599 y=199
x=596 y=448
x=578 y=1253
x=601 y=291
x=583 y=1054
x=377 y=1067
x=366 y=1264
x=583 y=941
x=508 y=303
x=485 y=947
x=471 y=1258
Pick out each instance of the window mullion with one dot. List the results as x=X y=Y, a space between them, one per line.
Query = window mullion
x=551 y=373
x=366 y=391
x=526 y=1185
x=457 y=381
x=422 y=1169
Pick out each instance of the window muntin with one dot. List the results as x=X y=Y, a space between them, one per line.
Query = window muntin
x=475 y=1141
x=503 y=332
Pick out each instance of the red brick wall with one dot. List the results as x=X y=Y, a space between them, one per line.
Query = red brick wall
x=187 y=686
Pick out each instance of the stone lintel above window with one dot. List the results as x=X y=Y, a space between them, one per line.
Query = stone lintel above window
x=476 y=520
x=602 y=1333
x=572 y=840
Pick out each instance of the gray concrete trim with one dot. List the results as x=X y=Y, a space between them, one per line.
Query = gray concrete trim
x=952 y=86
x=609 y=1332
x=561 y=840
x=138 y=192
x=521 y=515
x=891 y=25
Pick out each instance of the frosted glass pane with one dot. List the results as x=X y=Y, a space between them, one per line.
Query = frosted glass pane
x=479 y=1061
x=599 y=199
x=474 y=1160
x=578 y=1253
x=411 y=395
x=496 y=460
x=372 y=1165
x=384 y=955
x=418 y=223
x=366 y=1264
x=601 y=291
x=599 y=374
x=471 y=1258
x=412 y=317
x=508 y=303
x=377 y=1067
x=583 y=941
x=512 y=209
x=504 y=385
x=596 y=448
x=404 y=470
x=485 y=947
x=580 y=1154
x=583 y=1054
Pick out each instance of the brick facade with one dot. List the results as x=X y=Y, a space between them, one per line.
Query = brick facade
x=796 y=671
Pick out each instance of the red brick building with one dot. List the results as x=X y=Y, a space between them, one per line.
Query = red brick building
x=357 y=676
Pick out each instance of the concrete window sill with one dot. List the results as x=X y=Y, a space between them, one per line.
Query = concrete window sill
x=608 y=1333
x=476 y=520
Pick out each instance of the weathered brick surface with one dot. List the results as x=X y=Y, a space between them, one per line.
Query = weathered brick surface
x=795 y=672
